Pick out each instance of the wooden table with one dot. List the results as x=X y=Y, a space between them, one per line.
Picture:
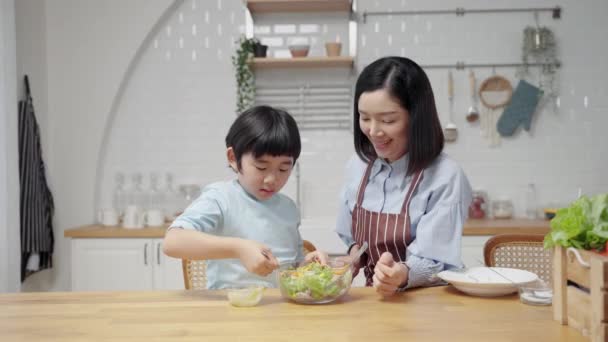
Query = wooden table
x=430 y=314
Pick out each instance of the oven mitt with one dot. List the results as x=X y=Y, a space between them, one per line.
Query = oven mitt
x=520 y=110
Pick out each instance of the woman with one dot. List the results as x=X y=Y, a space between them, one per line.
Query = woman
x=402 y=195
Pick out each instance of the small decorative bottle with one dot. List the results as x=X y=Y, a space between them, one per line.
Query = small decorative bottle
x=119 y=199
x=172 y=199
x=531 y=210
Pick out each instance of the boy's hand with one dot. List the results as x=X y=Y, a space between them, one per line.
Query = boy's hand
x=389 y=275
x=318 y=256
x=257 y=258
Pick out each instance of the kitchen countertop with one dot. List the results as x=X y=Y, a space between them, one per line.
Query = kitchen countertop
x=426 y=314
x=471 y=228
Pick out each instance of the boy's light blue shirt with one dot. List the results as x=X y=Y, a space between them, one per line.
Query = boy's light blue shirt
x=226 y=209
x=438 y=210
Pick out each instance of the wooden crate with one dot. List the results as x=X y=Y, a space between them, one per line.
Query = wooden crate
x=583 y=310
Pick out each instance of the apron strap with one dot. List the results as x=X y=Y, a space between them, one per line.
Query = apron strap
x=364 y=181
x=410 y=192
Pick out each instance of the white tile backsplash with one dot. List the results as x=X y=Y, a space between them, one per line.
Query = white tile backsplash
x=175 y=113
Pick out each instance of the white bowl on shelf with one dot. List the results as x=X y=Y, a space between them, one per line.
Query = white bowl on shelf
x=299 y=50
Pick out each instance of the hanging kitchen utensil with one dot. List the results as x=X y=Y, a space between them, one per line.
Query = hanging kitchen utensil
x=450 y=132
x=520 y=109
x=494 y=93
x=540 y=46
x=473 y=114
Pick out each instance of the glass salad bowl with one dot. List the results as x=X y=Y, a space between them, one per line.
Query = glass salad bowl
x=314 y=283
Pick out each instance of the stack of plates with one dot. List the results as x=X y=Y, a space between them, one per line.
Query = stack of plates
x=488 y=281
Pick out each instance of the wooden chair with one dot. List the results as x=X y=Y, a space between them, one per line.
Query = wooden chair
x=521 y=251
x=194 y=270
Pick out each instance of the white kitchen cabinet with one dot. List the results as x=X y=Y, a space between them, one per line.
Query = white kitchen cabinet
x=168 y=273
x=123 y=264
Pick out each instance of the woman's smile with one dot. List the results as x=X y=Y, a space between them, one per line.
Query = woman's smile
x=381 y=145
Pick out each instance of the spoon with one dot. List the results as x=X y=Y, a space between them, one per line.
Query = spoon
x=473 y=114
x=355 y=258
x=450 y=132
x=359 y=252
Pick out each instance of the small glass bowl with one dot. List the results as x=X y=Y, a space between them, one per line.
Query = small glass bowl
x=538 y=293
x=245 y=297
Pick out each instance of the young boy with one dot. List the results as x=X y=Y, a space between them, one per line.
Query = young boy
x=244 y=227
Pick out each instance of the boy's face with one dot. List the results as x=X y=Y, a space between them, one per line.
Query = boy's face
x=264 y=176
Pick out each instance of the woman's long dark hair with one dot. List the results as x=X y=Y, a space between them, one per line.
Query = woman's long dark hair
x=407 y=83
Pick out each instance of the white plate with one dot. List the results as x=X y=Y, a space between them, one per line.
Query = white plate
x=485 y=282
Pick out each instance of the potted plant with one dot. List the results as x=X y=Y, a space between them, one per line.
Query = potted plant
x=245 y=79
x=259 y=49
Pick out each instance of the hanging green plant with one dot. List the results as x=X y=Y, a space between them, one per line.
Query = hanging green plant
x=245 y=79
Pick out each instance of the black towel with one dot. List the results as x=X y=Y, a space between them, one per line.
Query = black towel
x=36 y=205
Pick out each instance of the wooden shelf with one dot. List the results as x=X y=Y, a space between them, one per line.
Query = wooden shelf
x=471 y=227
x=273 y=6
x=506 y=226
x=96 y=231
x=302 y=62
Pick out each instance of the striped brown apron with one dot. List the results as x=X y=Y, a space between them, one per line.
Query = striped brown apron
x=383 y=232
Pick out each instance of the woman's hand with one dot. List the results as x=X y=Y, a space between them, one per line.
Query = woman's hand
x=389 y=275
x=317 y=256
x=256 y=257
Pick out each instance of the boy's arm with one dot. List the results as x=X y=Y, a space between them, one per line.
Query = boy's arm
x=195 y=245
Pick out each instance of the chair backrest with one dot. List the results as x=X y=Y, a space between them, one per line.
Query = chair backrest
x=521 y=251
x=194 y=270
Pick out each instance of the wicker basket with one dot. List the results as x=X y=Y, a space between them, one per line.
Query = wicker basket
x=580 y=298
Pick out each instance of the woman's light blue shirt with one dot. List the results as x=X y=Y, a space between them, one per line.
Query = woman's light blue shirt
x=226 y=209
x=437 y=211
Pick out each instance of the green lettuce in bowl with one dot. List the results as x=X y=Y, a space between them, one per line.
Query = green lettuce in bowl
x=583 y=224
x=314 y=283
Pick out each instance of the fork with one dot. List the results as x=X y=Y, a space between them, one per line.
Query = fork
x=466 y=273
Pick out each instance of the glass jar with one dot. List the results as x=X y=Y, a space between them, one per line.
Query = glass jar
x=502 y=209
x=172 y=198
x=478 y=207
x=189 y=192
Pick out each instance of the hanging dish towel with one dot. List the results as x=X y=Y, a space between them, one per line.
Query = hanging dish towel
x=36 y=206
x=520 y=110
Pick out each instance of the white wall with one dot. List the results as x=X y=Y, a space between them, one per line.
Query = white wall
x=179 y=100
x=32 y=60
x=566 y=147
x=178 y=111
x=559 y=155
x=324 y=151
x=9 y=177
x=89 y=45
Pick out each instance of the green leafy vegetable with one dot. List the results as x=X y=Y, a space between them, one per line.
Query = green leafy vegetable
x=584 y=224
x=314 y=281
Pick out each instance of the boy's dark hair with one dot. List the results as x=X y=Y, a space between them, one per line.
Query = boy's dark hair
x=264 y=130
x=407 y=83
